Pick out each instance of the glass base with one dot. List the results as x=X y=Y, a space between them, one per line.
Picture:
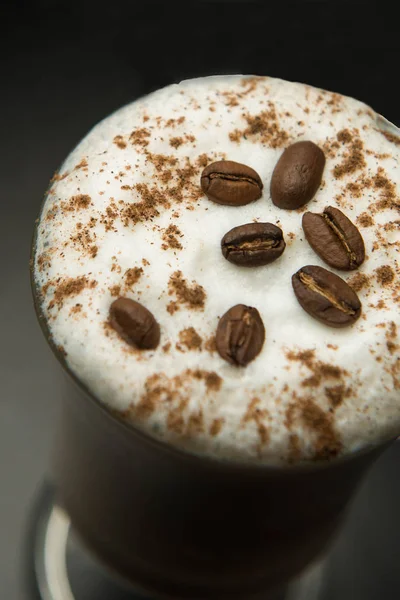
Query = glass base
x=63 y=569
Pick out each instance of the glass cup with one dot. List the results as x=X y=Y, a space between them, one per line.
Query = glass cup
x=186 y=527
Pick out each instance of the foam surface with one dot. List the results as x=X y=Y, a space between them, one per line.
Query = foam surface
x=126 y=217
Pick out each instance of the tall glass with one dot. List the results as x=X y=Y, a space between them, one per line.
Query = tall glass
x=186 y=527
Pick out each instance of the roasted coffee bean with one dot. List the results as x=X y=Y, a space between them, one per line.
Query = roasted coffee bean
x=240 y=335
x=253 y=244
x=334 y=238
x=229 y=182
x=297 y=175
x=326 y=297
x=134 y=323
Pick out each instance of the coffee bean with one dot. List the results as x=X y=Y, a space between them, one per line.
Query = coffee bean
x=334 y=238
x=253 y=244
x=297 y=175
x=229 y=182
x=240 y=335
x=134 y=323
x=326 y=297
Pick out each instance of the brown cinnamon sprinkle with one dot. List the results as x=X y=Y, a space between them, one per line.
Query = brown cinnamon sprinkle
x=391 y=334
x=330 y=148
x=380 y=305
x=51 y=213
x=132 y=276
x=251 y=83
x=195 y=424
x=387 y=190
x=59 y=176
x=120 y=142
x=68 y=287
x=358 y=281
x=172 y=307
x=193 y=296
x=82 y=165
x=77 y=202
x=190 y=339
x=180 y=184
x=43 y=261
x=392 y=226
x=161 y=161
x=170 y=238
x=185 y=186
x=115 y=266
x=384 y=275
x=306 y=357
x=391 y=137
x=175 y=420
x=211 y=379
x=263 y=128
x=76 y=309
x=172 y=394
x=344 y=136
x=147 y=209
x=335 y=102
x=173 y=122
x=290 y=415
x=320 y=371
x=365 y=220
x=258 y=415
x=304 y=410
x=115 y=290
x=353 y=158
x=232 y=98
x=139 y=137
x=337 y=394
x=211 y=344
x=155 y=392
x=111 y=213
x=85 y=239
x=203 y=160
x=175 y=142
x=354 y=189
x=327 y=444
x=216 y=426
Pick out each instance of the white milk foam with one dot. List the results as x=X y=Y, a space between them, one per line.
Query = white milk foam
x=313 y=391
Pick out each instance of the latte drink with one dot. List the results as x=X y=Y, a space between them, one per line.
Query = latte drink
x=216 y=266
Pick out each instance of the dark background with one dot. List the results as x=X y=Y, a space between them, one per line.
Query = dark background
x=64 y=66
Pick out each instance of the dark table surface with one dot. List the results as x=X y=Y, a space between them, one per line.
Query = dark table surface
x=63 y=68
